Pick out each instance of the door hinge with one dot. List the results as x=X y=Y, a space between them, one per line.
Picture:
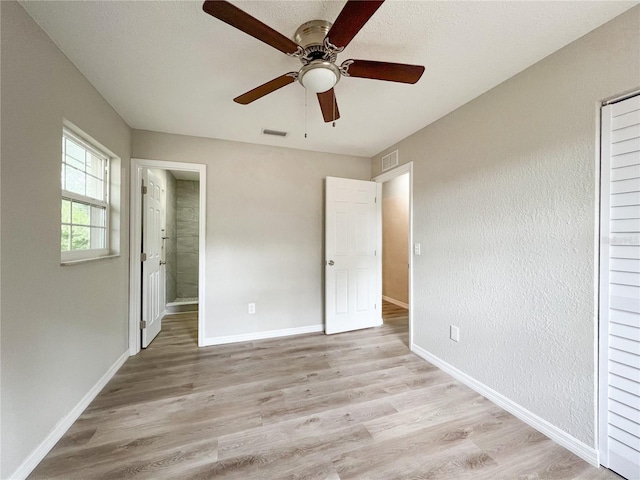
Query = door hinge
x=144 y=189
x=375 y=199
x=143 y=257
x=143 y=324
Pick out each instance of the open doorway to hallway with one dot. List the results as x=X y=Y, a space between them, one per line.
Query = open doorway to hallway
x=395 y=250
x=395 y=267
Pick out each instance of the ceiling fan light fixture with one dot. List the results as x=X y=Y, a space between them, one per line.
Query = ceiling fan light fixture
x=319 y=76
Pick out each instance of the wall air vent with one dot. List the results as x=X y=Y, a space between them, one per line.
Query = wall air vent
x=390 y=160
x=276 y=133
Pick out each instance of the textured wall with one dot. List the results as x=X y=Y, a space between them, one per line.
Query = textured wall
x=62 y=327
x=505 y=209
x=187 y=229
x=264 y=232
x=171 y=243
x=395 y=238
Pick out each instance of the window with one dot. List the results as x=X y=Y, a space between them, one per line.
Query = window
x=85 y=200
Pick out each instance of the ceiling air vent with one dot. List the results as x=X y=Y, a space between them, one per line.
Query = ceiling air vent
x=276 y=133
x=390 y=160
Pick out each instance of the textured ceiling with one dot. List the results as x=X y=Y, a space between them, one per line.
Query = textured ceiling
x=169 y=67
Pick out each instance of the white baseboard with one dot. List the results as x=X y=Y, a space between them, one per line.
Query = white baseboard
x=559 y=436
x=36 y=456
x=395 y=302
x=247 y=337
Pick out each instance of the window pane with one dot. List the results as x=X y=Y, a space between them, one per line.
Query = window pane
x=98 y=217
x=75 y=152
x=97 y=238
x=66 y=211
x=65 y=237
x=80 y=215
x=79 y=238
x=95 y=166
x=73 y=162
x=94 y=188
x=74 y=180
x=84 y=222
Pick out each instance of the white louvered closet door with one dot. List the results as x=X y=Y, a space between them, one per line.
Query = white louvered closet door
x=620 y=289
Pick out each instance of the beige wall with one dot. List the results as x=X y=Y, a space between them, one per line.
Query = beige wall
x=395 y=238
x=62 y=327
x=264 y=232
x=505 y=209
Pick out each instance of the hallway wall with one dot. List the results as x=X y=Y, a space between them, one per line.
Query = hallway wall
x=395 y=239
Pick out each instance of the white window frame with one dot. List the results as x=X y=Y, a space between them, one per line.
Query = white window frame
x=88 y=254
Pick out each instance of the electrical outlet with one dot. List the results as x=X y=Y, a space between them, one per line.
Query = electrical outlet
x=416 y=248
x=454 y=333
x=252 y=308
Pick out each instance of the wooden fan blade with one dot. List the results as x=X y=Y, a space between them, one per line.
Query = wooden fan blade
x=266 y=88
x=235 y=17
x=329 y=105
x=351 y=19
x=391 y=72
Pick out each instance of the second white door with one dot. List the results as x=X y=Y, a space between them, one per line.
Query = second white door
x=153 y=302
x=351 y=231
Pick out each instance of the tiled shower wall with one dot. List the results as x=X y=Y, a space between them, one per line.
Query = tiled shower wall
x=170 y=244
x=187 y=212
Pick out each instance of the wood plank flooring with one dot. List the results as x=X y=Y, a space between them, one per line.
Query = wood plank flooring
x=353 y=405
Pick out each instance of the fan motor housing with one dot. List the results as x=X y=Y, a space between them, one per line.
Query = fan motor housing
x=312 y=33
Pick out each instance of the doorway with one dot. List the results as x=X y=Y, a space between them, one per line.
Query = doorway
x=179 y=259
x=181 y=241
x=396 y=238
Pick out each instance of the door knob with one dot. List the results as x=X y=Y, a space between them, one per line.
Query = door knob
x=331 y=262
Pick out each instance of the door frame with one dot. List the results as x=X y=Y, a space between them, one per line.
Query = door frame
x=135 y=239
x=380 y=179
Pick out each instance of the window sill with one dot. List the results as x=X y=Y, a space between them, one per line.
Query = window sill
x=67 y=263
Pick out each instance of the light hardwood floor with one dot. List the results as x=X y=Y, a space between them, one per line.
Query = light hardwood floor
x=353 y=405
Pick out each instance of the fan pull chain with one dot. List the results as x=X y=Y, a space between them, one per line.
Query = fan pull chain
x=305 y=112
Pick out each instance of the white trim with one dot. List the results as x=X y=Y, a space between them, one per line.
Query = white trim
x=135 y=280
x=92 y=259
x=36 y=456
x=379 y=249
x=395 y=302
x=385 y=177
x=601 y=265
x=247 y=337
x=559 y=436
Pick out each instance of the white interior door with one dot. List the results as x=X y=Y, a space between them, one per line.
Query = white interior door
x=350 y=255
x=620 y=289
x=152 y=270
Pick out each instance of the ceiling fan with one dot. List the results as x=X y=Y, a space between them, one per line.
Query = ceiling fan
x=316 y=44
